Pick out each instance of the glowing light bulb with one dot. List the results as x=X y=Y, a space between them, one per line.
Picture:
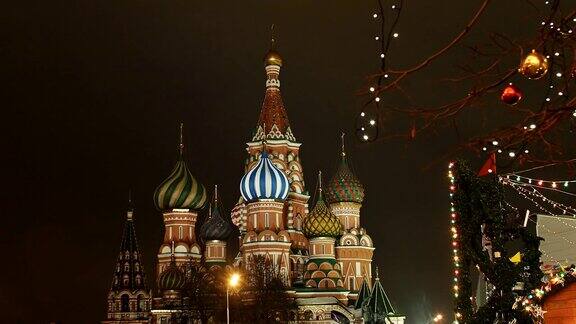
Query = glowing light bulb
x=372 y=122
x=362 y=114
x=372 y=89
x=365 y=137
x=395 y=35
x=511 y=154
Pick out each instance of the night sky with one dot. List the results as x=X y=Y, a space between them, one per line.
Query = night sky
x=93 y=92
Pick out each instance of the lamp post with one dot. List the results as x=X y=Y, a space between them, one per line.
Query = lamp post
x=437 y=318
x=232 y=282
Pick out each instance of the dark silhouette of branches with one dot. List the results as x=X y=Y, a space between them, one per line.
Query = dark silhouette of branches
x=533 y=133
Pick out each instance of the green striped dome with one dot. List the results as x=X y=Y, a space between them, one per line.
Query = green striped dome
x=344 y=186
x=172 y=278
x=180 y=190
x=321 y=222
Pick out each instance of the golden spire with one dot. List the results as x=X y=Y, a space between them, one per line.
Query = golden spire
x=343 y=148
x=181 y=144
x=272 y=57
x=130 y=210
x=272 y=38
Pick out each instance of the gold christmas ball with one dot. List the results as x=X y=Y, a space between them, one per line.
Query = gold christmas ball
x=534 y=66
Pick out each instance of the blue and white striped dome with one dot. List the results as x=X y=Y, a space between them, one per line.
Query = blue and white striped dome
x=264 y=181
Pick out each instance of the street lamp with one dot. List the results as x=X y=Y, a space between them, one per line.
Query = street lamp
x=232 y=282
x=438 y=318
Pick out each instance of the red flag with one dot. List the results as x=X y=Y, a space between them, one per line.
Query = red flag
x=489 y=166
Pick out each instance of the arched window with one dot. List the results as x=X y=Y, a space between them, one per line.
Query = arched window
x=125 y=303
x=126 y=266
x=140 y=303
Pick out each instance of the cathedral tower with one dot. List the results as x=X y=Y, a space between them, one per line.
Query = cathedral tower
x=179 y=197
x=274 y=138
x=354 y=248
x=129 y=298
x=264 y=189
x=322 y=271
x=214 y=233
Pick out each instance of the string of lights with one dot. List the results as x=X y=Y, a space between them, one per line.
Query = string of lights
x=368 y=120
x=549 y=231
x=454 y=236
x=566 y=210
x=554 y=184
x=533 y=221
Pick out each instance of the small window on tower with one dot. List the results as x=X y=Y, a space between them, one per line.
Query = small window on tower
x=125 y=303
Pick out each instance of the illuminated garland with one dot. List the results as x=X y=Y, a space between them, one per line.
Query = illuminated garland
x=454 y=235
x=566 y=210
x=554 y=184
x=475 y=202
x=532 y=303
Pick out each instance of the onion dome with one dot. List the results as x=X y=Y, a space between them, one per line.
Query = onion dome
x=321 y=222
x=172 y=278
x=344 y=186
x=264 y=181
x=180 y=189
x=215 y=227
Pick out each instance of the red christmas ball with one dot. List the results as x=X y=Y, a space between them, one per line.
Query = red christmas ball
x=511 y=94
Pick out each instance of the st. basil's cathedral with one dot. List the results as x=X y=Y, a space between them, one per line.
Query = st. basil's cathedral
x=322 y=253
